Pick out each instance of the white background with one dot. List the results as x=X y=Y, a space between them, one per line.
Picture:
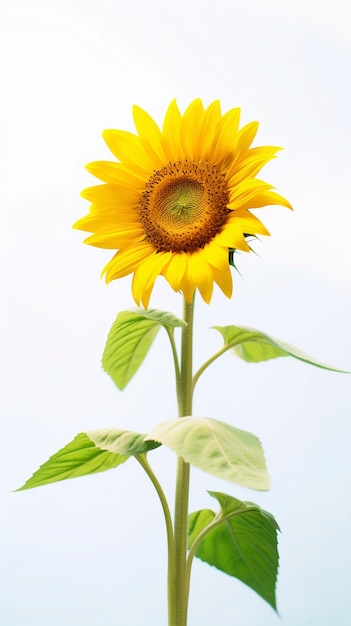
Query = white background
x=92 y=551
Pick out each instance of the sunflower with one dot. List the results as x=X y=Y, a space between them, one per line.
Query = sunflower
x=177 y=201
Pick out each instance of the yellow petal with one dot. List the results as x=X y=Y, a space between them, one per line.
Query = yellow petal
x=247 y=223
x=171 y=132
x=250 y=165
x=175 y=270
x=199 y=274
x=256 y=199
x=215 y=254
x=127 y=235
x=189 y=130
x=150 y=136
x=225 y=139
x=110 y=172
x=96 y=221
x=207 y=131
x=128 y=149
x=232 y=236
x=146 y=274
x=111 y=195
x=223 y=278
x=245 y=190
x=217 y=257
x=126 y=261
x=246 y=136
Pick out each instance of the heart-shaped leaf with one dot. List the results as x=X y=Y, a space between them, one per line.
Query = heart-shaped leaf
x=241 y=542
x=89 y=453
x=130 y=339
x=254 y=346
x=217 y=448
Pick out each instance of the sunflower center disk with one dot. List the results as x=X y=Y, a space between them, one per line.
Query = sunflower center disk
x=184 y=206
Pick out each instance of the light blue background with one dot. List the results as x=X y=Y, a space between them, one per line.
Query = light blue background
x=92 y=552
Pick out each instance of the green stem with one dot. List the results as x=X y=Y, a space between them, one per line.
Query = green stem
x=141 y=458
x=179 y=586
x=216 y=355
x=211 y=360
x=185 y=393
x=216 y=520
x=170 y=332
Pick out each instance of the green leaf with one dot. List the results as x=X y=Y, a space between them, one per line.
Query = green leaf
x=254 y=346
x=242 y=542
x=164 y=318
x=130 y=339
x=89 y=453
x=121 y=441
x=217 y=448
x=197 y=522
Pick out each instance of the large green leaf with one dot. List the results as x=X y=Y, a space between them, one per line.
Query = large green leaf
x=241 y=541
x=130 y=339
x=89 y=453
x=217 y=448
x=253 y=346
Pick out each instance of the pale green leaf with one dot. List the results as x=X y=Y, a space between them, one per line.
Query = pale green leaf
x=216 y=448
x=89 y=453
x=164 y=318
x=121 y=441
x=130 y=339
x=254 y=346
x=242 y=542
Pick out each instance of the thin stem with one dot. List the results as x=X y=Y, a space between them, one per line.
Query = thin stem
x=216 y=520
x=211 y=360
x=179 y=591
x=226 y=347
x=141 y=458
x=219 y=518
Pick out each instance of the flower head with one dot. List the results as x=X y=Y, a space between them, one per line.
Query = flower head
x=177 y=201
